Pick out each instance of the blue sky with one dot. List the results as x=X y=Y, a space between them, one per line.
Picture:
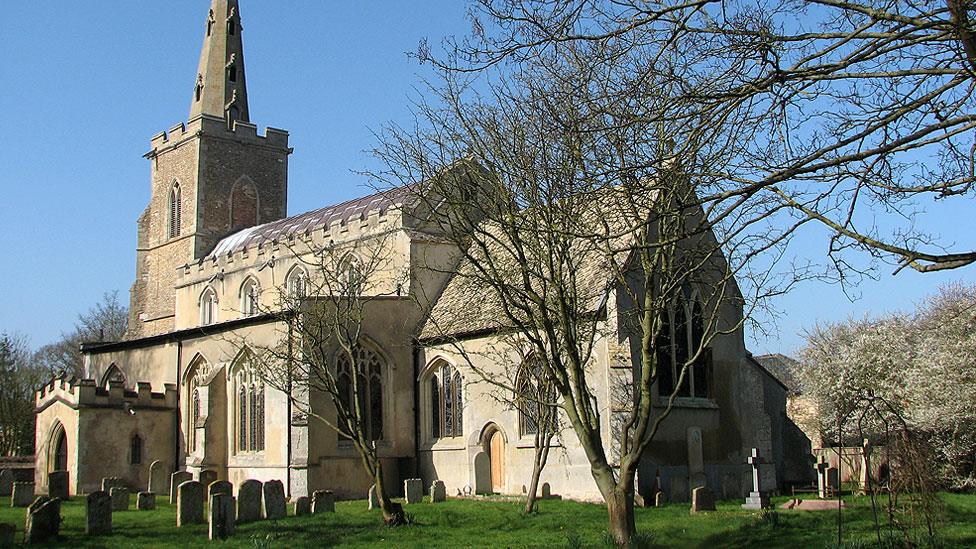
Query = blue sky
x=84 y=85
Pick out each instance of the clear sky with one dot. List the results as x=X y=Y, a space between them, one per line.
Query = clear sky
x=84 y=85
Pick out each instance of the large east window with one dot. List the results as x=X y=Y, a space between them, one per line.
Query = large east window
x=367 y=391
x=679 y=347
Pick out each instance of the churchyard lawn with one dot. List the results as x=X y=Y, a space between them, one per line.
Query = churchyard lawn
x=462 y=523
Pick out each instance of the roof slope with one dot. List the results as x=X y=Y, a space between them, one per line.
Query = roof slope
x=357 y=208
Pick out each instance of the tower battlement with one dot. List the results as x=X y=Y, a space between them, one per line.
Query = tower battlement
x=81 y=393
x=209 y=125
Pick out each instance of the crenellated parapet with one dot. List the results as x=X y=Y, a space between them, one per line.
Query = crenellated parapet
x=213 y=126
x=85 y=393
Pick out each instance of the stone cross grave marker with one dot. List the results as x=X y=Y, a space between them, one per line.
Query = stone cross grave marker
x=823 y=490
x=146 y=501
x=438 y=492
x=274 y=500
x=175 y=480
x=120 y=498
x=757 y=499
x=221 y=516
x=865 y=476
x=98 y=514
x=413 y=490
x=323 y=501
x=189 y=503
x=249 y=501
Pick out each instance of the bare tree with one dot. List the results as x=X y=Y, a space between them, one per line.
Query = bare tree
x=857 y=115
x=19 y=378
x=590 y=224
x=320 y=360
x=105 y=321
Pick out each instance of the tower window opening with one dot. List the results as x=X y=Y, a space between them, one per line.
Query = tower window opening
x=231 y=27
x=232 y=73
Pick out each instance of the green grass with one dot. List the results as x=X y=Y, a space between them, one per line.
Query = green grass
x=464 y=523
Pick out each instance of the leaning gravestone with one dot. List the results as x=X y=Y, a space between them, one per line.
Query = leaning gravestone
x=220 y=487
x=146 y=501
x=374 y=502
x=57 y=485
x=98 y=514
x=112 y=482
x=120 y=499
x=158 y=478
x=43 y=520
x=189 y=503
x=274 y=500
x=23 y=494
x=438 y=492
x=302 y=506
x=6 y=483
x=221 y=516
x=413 y=490
x=249 y=501
x=323 y=501
x=175 y=480
x=660 y=499
x=7 y=534
x=702 y=499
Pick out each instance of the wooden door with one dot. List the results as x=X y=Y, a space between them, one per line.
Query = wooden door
x=496 y=451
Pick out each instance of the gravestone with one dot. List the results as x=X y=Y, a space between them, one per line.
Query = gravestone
x=98 y=514
x=6 y=483
x=146 y=501
x=865 y=472
x=221 y=516
x=757 y=498
x=120 y=499
x=679 y=488
x=482 y=473
x=660 y=499
x=158 y=478
x=702 y=499
x=8 y=533
x=413 y=490
x=823 y=491
x=323 y=501
x=23 y=494
x=833 y=480
x=696 y=461
x=57 y=485
x=112 y=482
x=220 y=487
x=438 y=492
x=274 y=500
x=175 y=480
x=374 y=502
x=189 y=503
x=207 y=477
x=43 y=520
x=249 y=501
x=546 y=490
x=302 y=506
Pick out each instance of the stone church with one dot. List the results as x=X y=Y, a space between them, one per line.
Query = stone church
x=214 y=251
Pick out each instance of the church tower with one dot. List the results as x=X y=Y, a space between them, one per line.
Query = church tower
x=211 y=176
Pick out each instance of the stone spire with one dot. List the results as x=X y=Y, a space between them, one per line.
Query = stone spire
x=220 y=88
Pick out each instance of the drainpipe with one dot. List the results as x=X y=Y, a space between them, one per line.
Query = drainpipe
x=288 y=413
x=416 y=410
x=179 y=386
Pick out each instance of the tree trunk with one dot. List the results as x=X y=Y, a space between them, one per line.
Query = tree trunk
x=620 y=511
x=533 y=488
x=393 y=514
x=542 y=445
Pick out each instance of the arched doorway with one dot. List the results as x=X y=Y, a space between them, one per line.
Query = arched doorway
x=496 y=455
x=58 y=460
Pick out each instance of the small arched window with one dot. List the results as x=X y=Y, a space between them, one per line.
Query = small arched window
x=250 y=297
x=445 y=403
x=352 y=280
x=232 y=73
x=208 y=307
x=231 y=27
x=297 y=283
x=113 y=375
x=369 y=368
x=175 y=211
x=135 y=450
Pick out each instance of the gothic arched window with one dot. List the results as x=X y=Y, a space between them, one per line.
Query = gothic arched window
x=249 y=408
x=175 y=211
x=369 y=369
x=678 y=343
x=297 y=283
x=113 y=375
x=135 y=450
x=208 y=307
x=445 y=388
x=250 y=297
x=533 y=398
